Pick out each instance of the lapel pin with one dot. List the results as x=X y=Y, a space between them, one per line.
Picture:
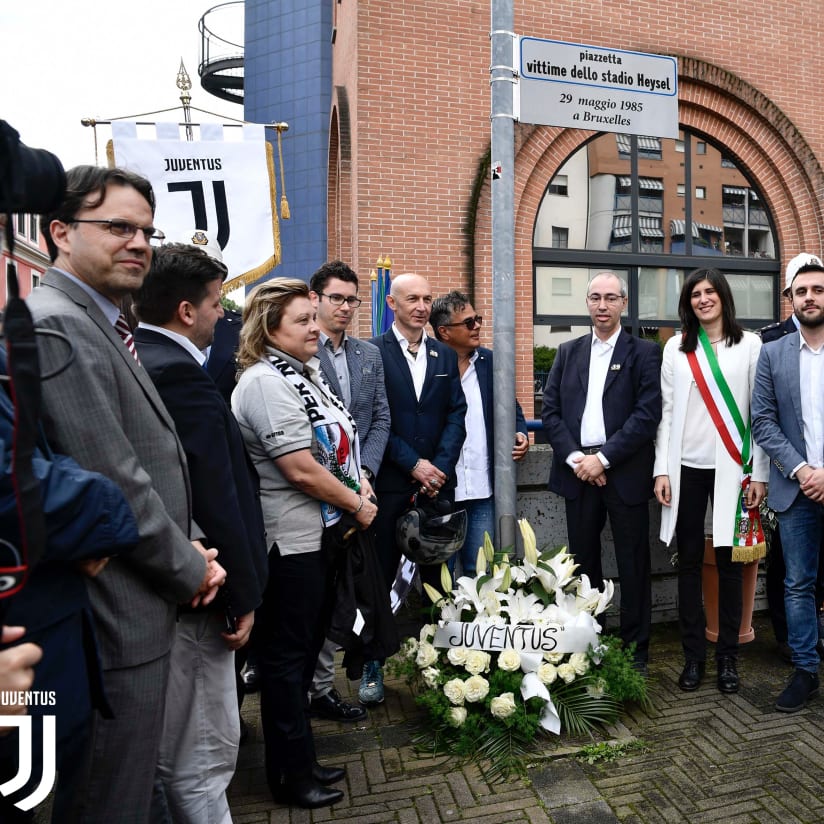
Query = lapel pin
x=615 y=367
x=433 y=353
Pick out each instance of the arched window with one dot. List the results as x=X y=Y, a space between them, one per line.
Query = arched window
x=651 y=210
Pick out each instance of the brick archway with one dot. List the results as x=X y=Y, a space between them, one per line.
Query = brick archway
x=755 y=133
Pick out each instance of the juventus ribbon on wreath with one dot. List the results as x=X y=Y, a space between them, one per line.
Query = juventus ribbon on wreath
x=749 y=543
x=226 y=187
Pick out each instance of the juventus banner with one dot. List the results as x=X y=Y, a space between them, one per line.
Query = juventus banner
x=226 y=187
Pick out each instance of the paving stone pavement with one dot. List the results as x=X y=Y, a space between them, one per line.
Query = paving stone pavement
x=707 y=757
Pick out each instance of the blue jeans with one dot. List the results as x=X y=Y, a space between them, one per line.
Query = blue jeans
x=480 y=514
x=801 y=537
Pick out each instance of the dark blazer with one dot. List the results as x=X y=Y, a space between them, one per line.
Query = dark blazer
x=777 y=330
x=222 y=362
x=430 y=428
x=104 y=411
x=483 y=368
x=632 y=411
x=225 y=495
x=369 y=406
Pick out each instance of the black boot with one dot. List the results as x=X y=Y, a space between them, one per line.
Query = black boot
x=327 y=775
x=303 y=790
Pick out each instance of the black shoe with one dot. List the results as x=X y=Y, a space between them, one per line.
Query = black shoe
x=801 y=688
x=305 y=792
x=327 y=775
x=333 y=707
x=691 y=675
x=251 y=679
x=727 y=674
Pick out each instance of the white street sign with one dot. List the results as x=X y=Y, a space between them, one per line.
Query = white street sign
x=591 y=87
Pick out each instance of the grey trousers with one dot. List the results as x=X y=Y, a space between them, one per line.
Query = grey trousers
x=324 y=678
x=201 y=731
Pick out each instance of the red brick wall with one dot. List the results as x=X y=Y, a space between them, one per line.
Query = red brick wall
x=417 y=83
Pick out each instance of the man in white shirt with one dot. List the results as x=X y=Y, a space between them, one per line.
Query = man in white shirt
x=601 y=409
x=456 y=324
x=788 y=424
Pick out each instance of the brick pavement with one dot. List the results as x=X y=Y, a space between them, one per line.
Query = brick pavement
x=708 y=758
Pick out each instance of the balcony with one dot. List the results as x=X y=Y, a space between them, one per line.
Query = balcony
x=221 y=55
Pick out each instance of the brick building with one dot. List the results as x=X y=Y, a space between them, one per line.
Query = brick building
x=404 y=88
x=29 y=254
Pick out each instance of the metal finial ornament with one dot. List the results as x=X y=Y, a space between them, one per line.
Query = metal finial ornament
x=184 y=83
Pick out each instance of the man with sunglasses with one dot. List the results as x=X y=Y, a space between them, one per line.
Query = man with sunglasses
x=601 y=409
x=354 y=370
x=103 y=410
x=455 y=323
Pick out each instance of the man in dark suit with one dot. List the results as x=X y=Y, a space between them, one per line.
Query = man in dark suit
x=787 y=410
x=601 y=409
x=455 y=323
x=427 y=407
x=354 y=370
x=221 y=361
x=104 y=411
x=178 y=306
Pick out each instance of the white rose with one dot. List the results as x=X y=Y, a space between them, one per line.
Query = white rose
x=597 y=689
x=547 y=673
x=457 y=655
x=454 y=691
x=566 y=672
x=427 y=655
x=476 y=688
x=410 y=647
x=579 y=662
x=477 y=661
x=554 y=657
x=503 y=705
x=509 y=660
x=427 y=632
x=430 y=676
x=457 y=716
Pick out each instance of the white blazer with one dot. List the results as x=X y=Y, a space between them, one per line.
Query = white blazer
x=738 y=364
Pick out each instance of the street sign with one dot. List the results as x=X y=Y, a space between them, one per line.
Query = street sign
x=592 y=87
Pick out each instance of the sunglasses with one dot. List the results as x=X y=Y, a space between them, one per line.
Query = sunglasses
x=469 y=323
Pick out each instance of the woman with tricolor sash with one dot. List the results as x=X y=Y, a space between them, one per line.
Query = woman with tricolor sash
x=704 y=451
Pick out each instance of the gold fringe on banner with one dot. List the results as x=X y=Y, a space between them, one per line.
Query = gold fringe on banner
x=284 y=203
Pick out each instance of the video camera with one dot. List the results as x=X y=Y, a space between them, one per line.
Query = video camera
x=32 y=181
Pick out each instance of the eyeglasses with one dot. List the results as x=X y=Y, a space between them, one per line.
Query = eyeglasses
x=469 y=323
x=122 y=228
x=339 y=300
x=595 y=299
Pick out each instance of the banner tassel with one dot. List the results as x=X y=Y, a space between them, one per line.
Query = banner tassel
x=284 y=203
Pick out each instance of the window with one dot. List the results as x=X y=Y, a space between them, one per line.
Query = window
x=33 y=231
x=35 y=279
x=558 y=186
x=560 y=237
x=21 y=225
x=635 y=222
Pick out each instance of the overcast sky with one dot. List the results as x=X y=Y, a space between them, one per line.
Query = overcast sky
x=61 y=62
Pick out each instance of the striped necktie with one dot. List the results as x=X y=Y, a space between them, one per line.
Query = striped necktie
x=122 y=329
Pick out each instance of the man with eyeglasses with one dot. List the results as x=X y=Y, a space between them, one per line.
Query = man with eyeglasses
x=354 y=370
x=455 y=323
x=103 y=410
x=601 y=409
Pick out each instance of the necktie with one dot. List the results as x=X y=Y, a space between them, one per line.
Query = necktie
x=122 y=329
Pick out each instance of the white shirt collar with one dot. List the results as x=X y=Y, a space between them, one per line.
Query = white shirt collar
x=179 y=339
x=610 y=341
x=109 y=309
x=403 y=341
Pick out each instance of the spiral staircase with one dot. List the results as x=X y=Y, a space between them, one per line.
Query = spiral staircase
x=221 y=55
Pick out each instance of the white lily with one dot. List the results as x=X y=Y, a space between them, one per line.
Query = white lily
x=530 y=541
x=522 y=607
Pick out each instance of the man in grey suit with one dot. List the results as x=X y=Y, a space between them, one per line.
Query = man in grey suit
x=354 y=370
x=787 y=416
x=104 y=411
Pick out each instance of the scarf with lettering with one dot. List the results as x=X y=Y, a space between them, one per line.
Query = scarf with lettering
x=335 y=432
x=749 y=543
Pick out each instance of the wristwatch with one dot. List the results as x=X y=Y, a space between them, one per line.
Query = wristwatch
x=367 y=473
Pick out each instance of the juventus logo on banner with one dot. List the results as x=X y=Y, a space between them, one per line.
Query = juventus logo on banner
x=225 y=187
x=24 y=769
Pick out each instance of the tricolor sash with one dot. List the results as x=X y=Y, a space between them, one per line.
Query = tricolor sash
x=749 y=543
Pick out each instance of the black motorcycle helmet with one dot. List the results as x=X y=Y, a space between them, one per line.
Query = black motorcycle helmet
x=429 y=532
